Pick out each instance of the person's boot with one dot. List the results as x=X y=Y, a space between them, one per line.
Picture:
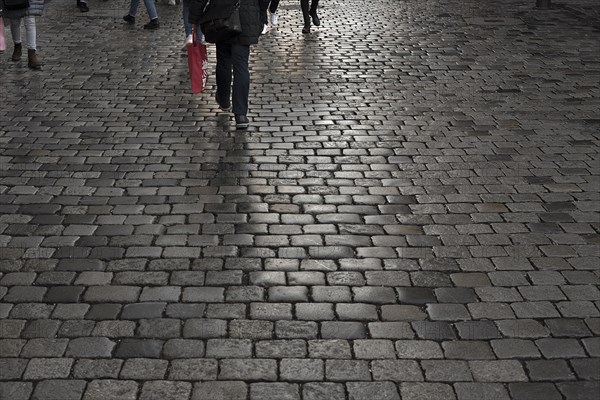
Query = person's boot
x=17 y=52
x=241 y=122
x=32 y=60
x=152 y=25
x=130 y=19
x=83 y=7
x=315 y=18
x=306 y=28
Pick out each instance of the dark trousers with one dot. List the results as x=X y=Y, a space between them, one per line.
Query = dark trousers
x=273 y=6
x=233 y=57
x=306 y=11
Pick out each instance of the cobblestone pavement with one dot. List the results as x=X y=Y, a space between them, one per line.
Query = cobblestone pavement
x=413 y=215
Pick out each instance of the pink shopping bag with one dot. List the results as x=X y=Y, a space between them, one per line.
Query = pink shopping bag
x=2 y=40
x=198 y=65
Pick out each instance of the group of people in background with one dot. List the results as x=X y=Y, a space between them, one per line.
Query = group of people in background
x=33 y=8
x=232 y=70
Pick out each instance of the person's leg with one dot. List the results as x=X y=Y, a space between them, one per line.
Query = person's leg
x=223 y=74
x=273 y=6
x=30 y=31
x=305 y=11
x=187 y=27
x=313 y=12
x=273 y=17
x=15 y=30
x=241 y=78
x=133 y=6
x=151 y=8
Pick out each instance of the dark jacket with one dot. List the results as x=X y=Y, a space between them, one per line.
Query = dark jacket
x=36 y=8
x=253 y=15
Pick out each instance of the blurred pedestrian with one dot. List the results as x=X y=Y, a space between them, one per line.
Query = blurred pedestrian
x=273 y=17
x=150 y=7
x=26 y=12
x=187 y=27
x=309 y=13
x=233 y=54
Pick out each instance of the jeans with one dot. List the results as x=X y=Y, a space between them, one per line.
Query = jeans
x=273 y=6
x=306 y=11
x=30 y=31
x=233 y=56
x=149 y=6
x=186 y=14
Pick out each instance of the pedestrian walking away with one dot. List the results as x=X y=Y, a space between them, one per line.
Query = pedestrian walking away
x=150 y=7
x=309 y=12
x=273 y=17
x=18 y=11
x=233 y=54
x=187 y=27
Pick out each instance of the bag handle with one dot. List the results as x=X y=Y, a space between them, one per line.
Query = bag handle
x=194 y=35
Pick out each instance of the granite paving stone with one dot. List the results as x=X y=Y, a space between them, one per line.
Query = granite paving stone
x=111 y=388
x=579 y=390
x=372 y=390
x=316 y=391
x=498 y=371
x=492 y=391
x=396 y=370
x=16 y=390
x=534 y=391
x=220 y=390
x=298 y=370
x=422 y=391
x=549 y=370
x=193 y=369
x=166 y=390
x=275 y=391
x=97 y=368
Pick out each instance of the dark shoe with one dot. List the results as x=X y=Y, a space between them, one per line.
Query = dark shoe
x=153 y=24
x=130 y=19
x=223 y=106
x=83 y=7
x=315 y=18
x=32 y=60
x=306 y=28
x=241 y=122
x=16 y=55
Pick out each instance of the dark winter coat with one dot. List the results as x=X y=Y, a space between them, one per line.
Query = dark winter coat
x=253 y=14
x=36 y=7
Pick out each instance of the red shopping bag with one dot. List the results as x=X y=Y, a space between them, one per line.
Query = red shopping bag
x=198 y=64
x=2 y=41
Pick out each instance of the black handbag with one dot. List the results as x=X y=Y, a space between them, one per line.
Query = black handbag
x=220 y=22
x=15 y=4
